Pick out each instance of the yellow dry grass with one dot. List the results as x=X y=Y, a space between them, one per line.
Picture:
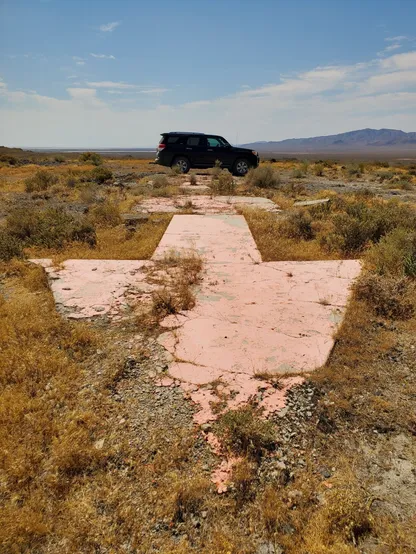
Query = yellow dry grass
x=114 y=243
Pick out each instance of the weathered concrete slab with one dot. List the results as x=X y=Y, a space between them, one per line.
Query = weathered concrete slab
x=218 y=238
x=251 y=318
x=195 y=189
x=312 y=202
x=205 y=204
x=90 y=288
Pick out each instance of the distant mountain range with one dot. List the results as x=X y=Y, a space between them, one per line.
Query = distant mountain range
x=364 y=139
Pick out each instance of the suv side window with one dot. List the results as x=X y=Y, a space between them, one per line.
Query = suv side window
x=214 y=142
x=193 y=141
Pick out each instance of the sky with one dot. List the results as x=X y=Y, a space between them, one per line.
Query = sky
x=118 y=73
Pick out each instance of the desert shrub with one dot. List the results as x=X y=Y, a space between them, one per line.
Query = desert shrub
x=10 y=246
x=11 y=160
x=91 y=157
x=216 y=170
x=298 y=225
x=51 y=228
x=294 y=188
x=223 y=184
x=264 y=177
x=59 y=159
x=245 y=433
x=175 y=170
x=192 y=179
x=101 y=174
x=354 y=170
x=363 y=223
x=318 y=169
x=381 y=164
x=394 y=254
x=40 y=181
x=298 y=173
x=403 y=184
x=106 y=214
x=160 y=181
x=387 y=296
x=89 y=193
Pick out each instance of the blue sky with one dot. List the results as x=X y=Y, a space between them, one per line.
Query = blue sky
x=96 y=73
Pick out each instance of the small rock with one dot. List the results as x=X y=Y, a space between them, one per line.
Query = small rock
x=98 y=445
x=269 y=548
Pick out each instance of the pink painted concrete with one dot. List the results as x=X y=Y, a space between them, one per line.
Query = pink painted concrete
x=204 y=204
x=91 y=288
x=217 y=238
x=250 y=317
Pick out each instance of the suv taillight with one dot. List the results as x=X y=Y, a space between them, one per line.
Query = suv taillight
x=161 y=147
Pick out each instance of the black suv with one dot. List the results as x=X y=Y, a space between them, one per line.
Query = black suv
x=186 y=150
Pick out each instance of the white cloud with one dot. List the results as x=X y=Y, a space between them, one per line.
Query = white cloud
x=324 y=100
x=154 y=90
x=109 y=27
x=78 y=60
x=399 y=38
x=103 y=56
x=407 y=60
x=111 y=84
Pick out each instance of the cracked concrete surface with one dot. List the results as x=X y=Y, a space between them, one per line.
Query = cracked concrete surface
x=205 y=204
x=90 y=288
x=252 y=320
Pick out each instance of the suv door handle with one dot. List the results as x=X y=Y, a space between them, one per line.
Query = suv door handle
x=188 y=148
x=210 y=150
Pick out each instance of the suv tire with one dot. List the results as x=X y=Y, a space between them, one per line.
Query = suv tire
x=182 y=163
x=241 y=167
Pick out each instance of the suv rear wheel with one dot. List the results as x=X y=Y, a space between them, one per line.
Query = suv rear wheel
x=241 y=167
x=182 y=163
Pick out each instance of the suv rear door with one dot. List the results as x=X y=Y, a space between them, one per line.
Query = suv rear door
x=196 y=150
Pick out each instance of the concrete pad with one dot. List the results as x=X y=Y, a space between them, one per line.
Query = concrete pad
x=218 y=238
x=195 y=189
x=251 y=319
x=205 y=204
x=312 y=202
x=91 y=288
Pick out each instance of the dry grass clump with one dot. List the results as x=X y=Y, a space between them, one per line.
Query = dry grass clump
x=106 y=214
x=190 y=497
x=223 y=183
x=394 y=254
x=42 y=180
x=50 y=228
x=342 y=523
x=112 y=243
x=389 y=297
x=318 y=169
x=243 y=432
x=100 y=174
x=179 y=274
x=264 y=177
x=10 y=246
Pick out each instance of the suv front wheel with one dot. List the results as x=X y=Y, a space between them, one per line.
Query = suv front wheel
x=182 y=163
x=241 y=167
